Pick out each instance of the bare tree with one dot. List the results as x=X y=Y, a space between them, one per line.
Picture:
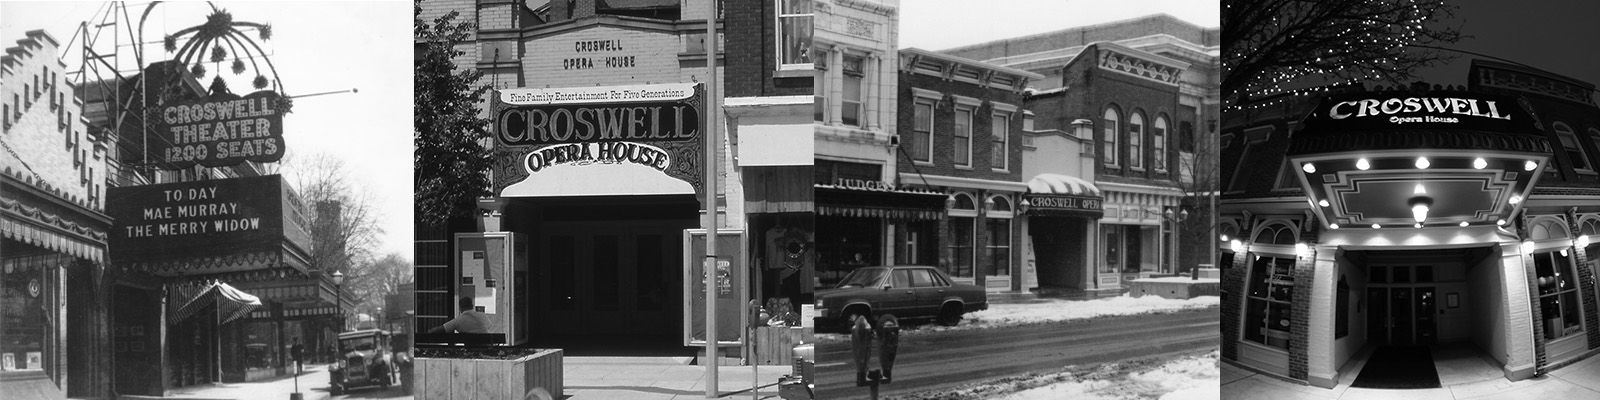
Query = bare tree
x=1199 y=181
x=344 y=227
x=373 y=279
x=1267 y=44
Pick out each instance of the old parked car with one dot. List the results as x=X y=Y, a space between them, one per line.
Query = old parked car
x=365 y=359
x=905 y=291
x=800 y=383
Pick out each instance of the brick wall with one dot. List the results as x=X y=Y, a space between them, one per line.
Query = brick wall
x=1094 y=90
x=47 y=142
x=1233 y=285
x=1586 y=287
x=1305 y=282
x=1532 y=280
x=750 y=33
x=944 y=115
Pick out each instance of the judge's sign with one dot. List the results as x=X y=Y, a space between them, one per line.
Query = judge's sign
x=219 y=131
x=655 y=126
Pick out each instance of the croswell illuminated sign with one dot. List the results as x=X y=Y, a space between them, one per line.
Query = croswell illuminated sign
x=1442 y=109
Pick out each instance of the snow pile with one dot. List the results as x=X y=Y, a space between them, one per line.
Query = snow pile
x=1187 y=378
x=1053 y=310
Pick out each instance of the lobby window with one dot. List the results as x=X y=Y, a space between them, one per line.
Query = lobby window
x=1569 y=143
x=963 y=233
x=997 y=251
x=1136 y=141
x=1158 y=144
x=998 y=157
x=1267 y=302
x=1108 y=152
x=794 y=34
x=850 y=113
x=922 y=131
x=963 y=155
x=1558 y=295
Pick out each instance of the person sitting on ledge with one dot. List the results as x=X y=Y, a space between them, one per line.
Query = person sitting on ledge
x=470 y=321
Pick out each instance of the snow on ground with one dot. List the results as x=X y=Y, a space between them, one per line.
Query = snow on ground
x=1187 y=378
x=1054 y=310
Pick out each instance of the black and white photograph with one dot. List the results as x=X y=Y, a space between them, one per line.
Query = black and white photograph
x=204 y=200
x=1378 y=156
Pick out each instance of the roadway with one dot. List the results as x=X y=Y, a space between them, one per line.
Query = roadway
x=939 y=360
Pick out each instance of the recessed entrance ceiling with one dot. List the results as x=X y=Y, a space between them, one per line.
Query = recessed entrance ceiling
x=1360 y=189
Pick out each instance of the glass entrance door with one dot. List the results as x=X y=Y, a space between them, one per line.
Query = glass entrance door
x=1402 y=316
x=609 y=278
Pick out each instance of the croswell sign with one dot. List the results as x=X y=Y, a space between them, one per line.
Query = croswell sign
x=1457 y=110
x=657 y=126
x=219 y=131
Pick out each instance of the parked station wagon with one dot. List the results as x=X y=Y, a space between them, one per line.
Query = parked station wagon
x=905 y=291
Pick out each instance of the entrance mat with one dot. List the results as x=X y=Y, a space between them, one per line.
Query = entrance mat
x=1396 y=367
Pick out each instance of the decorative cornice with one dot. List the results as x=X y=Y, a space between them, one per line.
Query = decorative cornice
x=1139 y=67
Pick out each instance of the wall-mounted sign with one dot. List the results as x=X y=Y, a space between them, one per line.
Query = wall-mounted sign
x=656 y=126
x=219 y=131
x=1049 y=202
x=607 y=58
x=1433 y=110
x=208 y=218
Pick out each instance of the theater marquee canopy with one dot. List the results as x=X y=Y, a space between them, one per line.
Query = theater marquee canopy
x=1402 y=159
x=603 y=140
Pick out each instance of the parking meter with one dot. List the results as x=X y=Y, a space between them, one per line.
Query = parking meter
x=861 y=348
x=889 y=345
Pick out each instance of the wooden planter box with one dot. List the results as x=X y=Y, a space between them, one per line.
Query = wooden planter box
x=775 y=346
x=486 y=379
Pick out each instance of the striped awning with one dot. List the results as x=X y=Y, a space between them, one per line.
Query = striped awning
x=40 y=227
x=1062 y=185
x=899 y=204
x=185 y=300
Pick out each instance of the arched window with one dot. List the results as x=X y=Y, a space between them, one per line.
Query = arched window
x=1136 y=140
x=963 y=231
x=1275 y=234
x=1569 y=143
x=1158 y=144
x=1108 y=152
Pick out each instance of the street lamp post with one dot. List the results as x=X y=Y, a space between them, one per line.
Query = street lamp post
x=338 y=296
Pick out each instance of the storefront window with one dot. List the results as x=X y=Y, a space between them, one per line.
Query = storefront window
x=25 y=329
x=261 y=346
x=794 y=32
x=962 y=231
x=1558 y=295
x=845 y=244
x=999 y=247
x=1113 y=246
x=1267 y=305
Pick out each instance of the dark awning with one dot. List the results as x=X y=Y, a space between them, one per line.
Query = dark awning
x=893 y=204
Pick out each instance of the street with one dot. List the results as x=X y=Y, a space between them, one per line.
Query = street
x=945 y=359
x=393 y=392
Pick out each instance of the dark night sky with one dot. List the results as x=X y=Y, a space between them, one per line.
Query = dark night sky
x=1561 y=37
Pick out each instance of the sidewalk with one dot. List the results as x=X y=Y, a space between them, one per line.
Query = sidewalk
x=313 y=386
x=1576 y=381
x=630 y=378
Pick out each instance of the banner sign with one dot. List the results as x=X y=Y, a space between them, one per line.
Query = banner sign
x=1456 y=110
x=219 y=131
x=657 y=126
x=209 y=218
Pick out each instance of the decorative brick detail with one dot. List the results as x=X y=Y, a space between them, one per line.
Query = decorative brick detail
x=1305 y=267
x=1533 y=307
x=1233 y=304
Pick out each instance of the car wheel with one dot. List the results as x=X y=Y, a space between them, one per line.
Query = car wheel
x=336 y=390
x=950 y=315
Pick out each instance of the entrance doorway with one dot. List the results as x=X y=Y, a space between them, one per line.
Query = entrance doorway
x=612 y=277
x=1402 y=316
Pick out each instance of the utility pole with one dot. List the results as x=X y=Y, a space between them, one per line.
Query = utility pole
x=712 y=145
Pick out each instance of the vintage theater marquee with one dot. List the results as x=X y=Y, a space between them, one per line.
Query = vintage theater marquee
x=656 y=126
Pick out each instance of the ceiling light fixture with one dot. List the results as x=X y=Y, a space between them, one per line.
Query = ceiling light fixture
x=1416 y=225
x=1376 y=226
x=1310 y=169
x=1422 y=163
x=1323 y=202
x=1464 y=224
x=1530 y=165
x=1419 y=207
x=1363 y=164
x=1516 y=199
x=1479 y=163
x=1500 y=222
x=1333 y=226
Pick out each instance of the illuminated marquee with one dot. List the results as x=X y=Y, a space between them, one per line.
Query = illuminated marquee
x=220 y=131
x=1451 y=107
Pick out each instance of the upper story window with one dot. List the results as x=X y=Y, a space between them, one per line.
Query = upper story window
x=819 y=90
x=998 y=156
x=1108 y=153
x=922 y=131
x=1569 y=143
x=1158 y=144
x=850 y=113
x=794 y=34
x=1136 y=140
x=963 y=141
